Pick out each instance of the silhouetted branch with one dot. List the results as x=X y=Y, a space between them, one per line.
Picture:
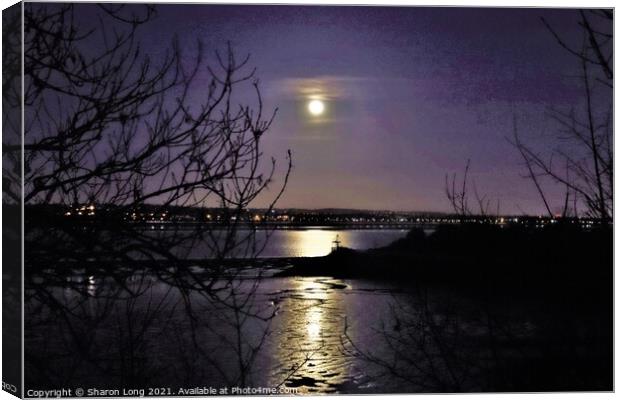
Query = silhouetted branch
x=587 y=167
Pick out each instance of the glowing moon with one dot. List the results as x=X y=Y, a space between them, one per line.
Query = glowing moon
x=316 y=107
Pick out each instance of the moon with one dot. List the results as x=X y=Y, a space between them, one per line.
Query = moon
x=316 y=107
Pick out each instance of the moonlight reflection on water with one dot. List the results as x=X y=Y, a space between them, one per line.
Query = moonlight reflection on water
x=313 y=243
x=298 y=242
x=309 y=354
x=317 y=242
x=304 y=347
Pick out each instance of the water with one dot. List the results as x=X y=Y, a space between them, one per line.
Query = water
x=169 y=328
x=293 y=242
x=312 y=335
x=136 y=328
x=293 y=334
x=313 y=242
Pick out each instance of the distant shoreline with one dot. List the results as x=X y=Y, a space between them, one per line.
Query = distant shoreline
x=289 y=226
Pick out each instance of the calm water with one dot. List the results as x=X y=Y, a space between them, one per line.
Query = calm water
x=181 y=329
x=297 y=330
x=313 y=242
x=316 y=335
x=294 y=242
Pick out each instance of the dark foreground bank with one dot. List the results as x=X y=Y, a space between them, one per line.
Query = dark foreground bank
x=479 y=255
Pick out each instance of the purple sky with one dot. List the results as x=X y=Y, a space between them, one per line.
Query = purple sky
x=410 y=94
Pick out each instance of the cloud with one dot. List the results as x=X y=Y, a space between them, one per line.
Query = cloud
x=321 y=87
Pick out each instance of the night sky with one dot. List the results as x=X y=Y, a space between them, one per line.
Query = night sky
x=410 y=94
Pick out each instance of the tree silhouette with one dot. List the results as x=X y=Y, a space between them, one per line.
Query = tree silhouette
x=585 y=166
x=459 y=197
x=118 y=127
x=107 y=124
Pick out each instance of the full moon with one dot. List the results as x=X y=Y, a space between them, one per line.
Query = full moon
x=316 y=107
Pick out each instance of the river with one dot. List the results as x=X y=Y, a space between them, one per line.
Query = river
x=174 y=330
